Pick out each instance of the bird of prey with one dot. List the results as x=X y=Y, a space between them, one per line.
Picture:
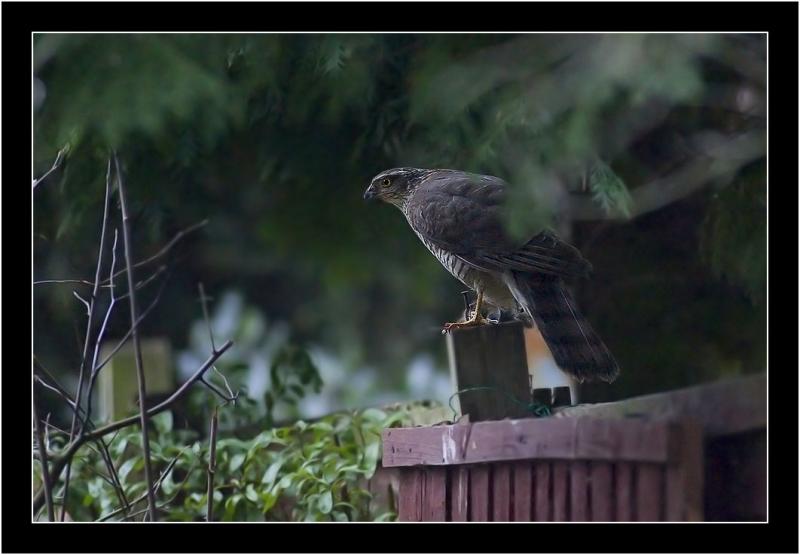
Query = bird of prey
x=458 y=216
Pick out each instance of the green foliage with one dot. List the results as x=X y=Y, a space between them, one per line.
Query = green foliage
x=304 y=471
x=735 y=233
x=608 y=190
x=292 y=375
x=314 y=471
x=274 y=138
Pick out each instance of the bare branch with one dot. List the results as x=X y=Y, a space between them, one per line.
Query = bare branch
x=126 y=237
x=56 y=164
x=84 y=301
x=57 y=391
x=46 y=483
x=233 y=397
x=74 y=281
x=178 y=236
x=112 y=471
x=87 y=339
x=168 y=501
x=144 y=495
x=72 y=448
x=215 y=389
x=203 y=302
x=105 y=284
x=100 y=334
x=125 y=337
x=212 y=465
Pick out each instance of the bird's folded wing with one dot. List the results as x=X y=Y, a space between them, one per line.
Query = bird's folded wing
x=462 y=214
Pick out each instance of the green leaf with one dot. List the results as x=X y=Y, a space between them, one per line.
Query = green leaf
x=250 y=493
x=272 y=472
x=608 y=190
x=230 y=506
x=125 y=469
x=371 y=454
x=325 y=502
x=373 y=415
x=236 y=461
x=162 y=422
x=268 y=499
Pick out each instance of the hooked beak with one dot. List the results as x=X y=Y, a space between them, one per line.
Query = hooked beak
x=370 y=194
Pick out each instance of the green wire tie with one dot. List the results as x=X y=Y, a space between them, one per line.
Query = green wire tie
x=536 y=409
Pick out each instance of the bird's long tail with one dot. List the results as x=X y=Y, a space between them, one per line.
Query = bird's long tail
x=575 y=346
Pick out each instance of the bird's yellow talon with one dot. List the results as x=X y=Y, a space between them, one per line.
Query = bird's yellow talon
x=476 y=320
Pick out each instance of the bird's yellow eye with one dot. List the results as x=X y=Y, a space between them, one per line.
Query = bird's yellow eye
x=386 y=182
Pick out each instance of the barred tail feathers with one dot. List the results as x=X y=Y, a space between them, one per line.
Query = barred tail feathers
x=576 y=347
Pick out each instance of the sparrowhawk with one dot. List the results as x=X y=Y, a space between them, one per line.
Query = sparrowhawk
x=458 y=216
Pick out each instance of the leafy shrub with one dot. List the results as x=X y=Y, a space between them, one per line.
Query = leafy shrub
x=312 y=471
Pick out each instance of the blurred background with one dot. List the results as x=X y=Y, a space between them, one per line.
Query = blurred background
x=647 y=152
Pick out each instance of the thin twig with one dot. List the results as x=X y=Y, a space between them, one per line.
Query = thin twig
x=169 y=501
x=137 y=349
x=212 y=465
x=57 y=391
x=110 y=308
x=73 y=281
x=100 y=334
x=112 y=471
x=46 y=484
x=50 y=426
x=204 y=303
x=84 y=301
x=90 y=314
x=178 y=236
x=215 y=389
x=103 y=285
x=70 y=450
x=233 y=396
x=144 y=495
x=125 y=337
x=56 y=164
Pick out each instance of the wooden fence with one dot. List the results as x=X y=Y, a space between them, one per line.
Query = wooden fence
x=673 y=462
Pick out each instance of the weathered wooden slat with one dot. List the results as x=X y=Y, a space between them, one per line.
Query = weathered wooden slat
x=684 y=475
x=649 y=500
x=410 y=496
x=601 y=492
x=622 y=440
x=475 y=355
x=479 y=494
x=721 y=408
x=543 y=503
x=459 y=493
x=735 y=477
x=623 y=491
x=501 y=492
x=560 y=491
x=523 y=492
x=434 y=500
x=579 y=489
x=532 y=438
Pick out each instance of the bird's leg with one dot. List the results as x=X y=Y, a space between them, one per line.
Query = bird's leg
x=476 y=320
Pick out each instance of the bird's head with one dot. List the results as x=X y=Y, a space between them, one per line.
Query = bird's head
x=394 y=186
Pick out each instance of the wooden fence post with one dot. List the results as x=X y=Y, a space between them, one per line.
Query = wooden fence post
x=491 y=359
